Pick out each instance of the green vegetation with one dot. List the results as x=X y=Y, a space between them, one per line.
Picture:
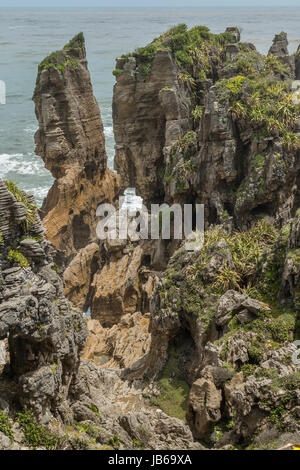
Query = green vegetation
x=77 y=42
x=95 y=410
x=115 y=442
x=117 y=72
x=60 y=60
x=37 y=435
x=15 y=257
x=185 y=144
x=89 y=428
x=197 y=112
x=22 y=197
x=264 y=101
x=6 y=425
x=174 y=390
x=191 y=49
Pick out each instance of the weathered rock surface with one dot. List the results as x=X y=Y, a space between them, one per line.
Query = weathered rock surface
x=279 y=48
x=123 y=412
x=42 y=333
x=148 y=114
x=79 y=274
x=70 y=140
x=241 y=366
x=183 y=137
x=121 y=345
x=212 y=336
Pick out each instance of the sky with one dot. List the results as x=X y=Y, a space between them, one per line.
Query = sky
x=149 y=3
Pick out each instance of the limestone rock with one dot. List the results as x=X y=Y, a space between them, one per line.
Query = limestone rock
x=70 y=140
x=121 y=345
x=79 y=274
x=43 y=335
x=203 y=408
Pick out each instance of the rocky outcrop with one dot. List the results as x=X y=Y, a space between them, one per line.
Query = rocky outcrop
x=70 y=140
x=184 y=346
x=148 y=114
x=78 y=276
x=239 y=365
x=204 y=406
x=211 y=142
x=280 y=50
x=121 y=345
x=42 y=333
x=125 y=421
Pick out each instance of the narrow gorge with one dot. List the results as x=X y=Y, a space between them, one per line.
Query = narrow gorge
x=144 y=344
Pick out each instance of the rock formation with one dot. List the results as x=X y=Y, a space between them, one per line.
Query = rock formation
x=70 y=140
x=209 y=125
x=186 y=348
x=45 y=334
x=221 y=137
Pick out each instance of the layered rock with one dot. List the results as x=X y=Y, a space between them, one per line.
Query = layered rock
x=280 y=50
x=241 y=364
x=121 y=345
x=43 y=333
x=146 y=114
x=70 y=140
x=197 y=118
x=212 y=138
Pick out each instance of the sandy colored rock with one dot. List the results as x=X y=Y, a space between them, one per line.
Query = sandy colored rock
x=78 y=275
x=203 y=408
x=118 y=346
x=70 y=139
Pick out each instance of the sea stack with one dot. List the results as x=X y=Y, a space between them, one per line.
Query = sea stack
x=70 y=139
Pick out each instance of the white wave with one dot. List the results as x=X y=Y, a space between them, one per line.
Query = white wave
x=131 y=201
x=108 y=131
x=39 y=193
x=8 y=163
x=21 y=164
x=30 y=130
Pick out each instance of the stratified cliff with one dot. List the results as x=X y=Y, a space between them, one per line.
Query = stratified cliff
x=70 y=140
x=49 y=399
x=204 y=118
x=184 y=348
x=42 y=333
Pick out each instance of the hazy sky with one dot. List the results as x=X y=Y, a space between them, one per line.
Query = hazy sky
x=150 y=3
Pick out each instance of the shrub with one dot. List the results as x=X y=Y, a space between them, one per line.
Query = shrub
x=22 y=197
x=15 y=257
x=37 y=435
x=6 y=425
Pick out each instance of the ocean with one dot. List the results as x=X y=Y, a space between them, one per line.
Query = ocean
x=27 y=36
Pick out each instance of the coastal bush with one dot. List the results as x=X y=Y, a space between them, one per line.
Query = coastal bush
x=15 y=257
x=264 y=101
x=37 y=435
x=191 y=49
x=62 y=59
x=6 y=425
x=77 y=42
x=22 y=197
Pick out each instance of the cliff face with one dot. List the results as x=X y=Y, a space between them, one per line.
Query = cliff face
x=148 y=114
x=49 y=399
x=183 y=346
x=219 y=136
x=70 y=140
x=225 y=132
x=43 y=333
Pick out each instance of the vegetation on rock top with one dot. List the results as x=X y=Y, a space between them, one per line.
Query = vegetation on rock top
x=64 y=58
x=191 y=49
